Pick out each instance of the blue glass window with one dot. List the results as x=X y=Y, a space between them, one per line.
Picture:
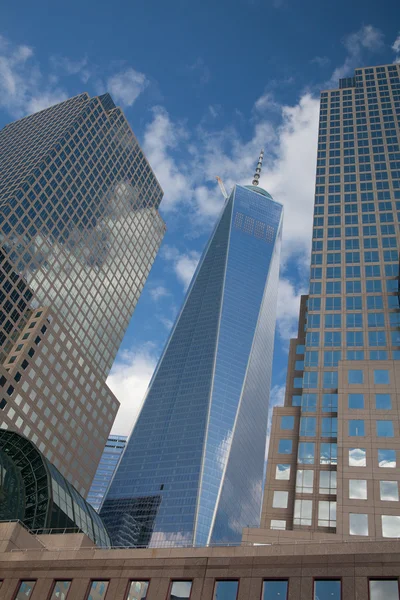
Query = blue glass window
x=331 y=358
x=296 y=400
x=355 y=376
x=333 y=338
x=308 y=426
x=226 y=590
x=353 y=271
x=356 y=401
x=314 y=321
x=298 y=382
x=333 y=321
x=355 y=355
x=330 y=379
x=309 y=403
x=287 y=423
x=306 y=453
x=328 y=453
x=310 y=379
x=374 y=302
x=275 y=590
x=395 y=337
x=327 y=589
x=383 y=402
x=333 y=272
x=329 y=402
x=377 y=338
x=386 y=458
x=381 y=376
x=353 y=303
x=384 y=429
x=329 y=427
x=285 y=447
x=98 y=590
x=312 y=339
x=353 y=287
x=333 y=287
x=333 y=303
x=311 y=358
x=373 y=285
x=354 y=338
x=354 y=320
x=356 y=427
x=25 y=590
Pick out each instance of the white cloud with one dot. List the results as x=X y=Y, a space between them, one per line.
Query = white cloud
x=126 y=86
x=72 y=67
x=23 y=87
x=159 y=292
x=288 y=309
x=396 y=49
x=368 y=38
x=184 y=264
x=129 y=379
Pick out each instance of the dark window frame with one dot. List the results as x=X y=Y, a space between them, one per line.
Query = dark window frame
x=264 y=579
x=131 y=581
x=92 y=580
x=55 y=581
x=19 y=585
x=315 y=579
x=218 y=579
x=171 y=581
x=382 y=579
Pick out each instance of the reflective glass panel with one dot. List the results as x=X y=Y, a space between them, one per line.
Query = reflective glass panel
x=226 y=590
x=302 y=512
x=275 y=590
x=356 y=401
x=25 y=590
x=383 y=402
x=391 y=526
x=282 y=472
x=384 y=589
x=358 y=524
x=285 y=447
x=60 y=590
x=138 y=590
x=389 y=490
x=327 y=482
x=278 y=524
x=327 y=589
x=355 y=376
x=356 y=427
x=287 y=422
x=358 y=489
x=180 y=590
x=381 y=376
x=384 y=429
x=98 y=590
x=304 y=481
x=280 y=499
x=386 y=458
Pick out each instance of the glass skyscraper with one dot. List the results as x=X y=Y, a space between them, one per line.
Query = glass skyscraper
x=334 y=459
x=112 y=452
x=192 y=470
x=79 y=230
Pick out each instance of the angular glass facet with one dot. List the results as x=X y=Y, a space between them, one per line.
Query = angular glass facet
x=192 y=471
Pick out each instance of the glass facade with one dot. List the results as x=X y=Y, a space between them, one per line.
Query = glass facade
x=34 y=492
x=112 y=452
x=348 y=344
x=79 y=231
x=196 y=454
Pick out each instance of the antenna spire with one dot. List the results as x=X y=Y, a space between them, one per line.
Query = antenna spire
x=258 y=169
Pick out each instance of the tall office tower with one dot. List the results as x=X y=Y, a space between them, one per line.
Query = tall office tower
x=192 y=470
x=334 y=458
x=79 y=230
x=112 y=453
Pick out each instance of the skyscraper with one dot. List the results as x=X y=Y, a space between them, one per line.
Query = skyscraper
x=192 y=469
x=112 y=452
x=79 y=230
x=334 y=458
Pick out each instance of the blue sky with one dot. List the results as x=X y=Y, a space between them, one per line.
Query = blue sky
x=204 y=85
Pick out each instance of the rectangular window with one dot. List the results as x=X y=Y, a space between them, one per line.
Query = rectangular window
x=278 y=524
x=381 y=376
x=98 y=590
x=304 y=481
x=384 y=589
x=282 y=472
x=327 y=589
x=287 y=423
x=306 y=453
x=386 y=458
x=285 y=447
x=308 y=426
x=357 y=457
x=355 y=376
x=328 y=454
x=358 y=489
x=137 y=590
x=356 y=427
x=226 y=590
x=389 y=491
x=25 y=589
x=302 y=512
x=308 y=402
x=329 y=427
x=275 y=590
x=180 y=590
x=333 y=338
x=330 y=380
x=356 y=401
x=390 y=526
x=383 y=402
x=384 y=429
x=327 y=482
x=326 y=513
x=61 y=589
x=358 y=524
x=329 y=402
x=280 y=499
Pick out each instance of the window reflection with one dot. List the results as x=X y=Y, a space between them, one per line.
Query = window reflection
x=389 y=490
x=60 y=590
x=357 y=457
x=358 y=489
x=180 y=590
x=358 y=524
x=278 y=524
x=390 y=526
x=98 y=590
x=282 y=472
x=138 y=590
x=327 y=589
x=384 y=589
x=386 y=458
x=275 y=590
x=280 y=499
x=25 y=590
x=226 y=590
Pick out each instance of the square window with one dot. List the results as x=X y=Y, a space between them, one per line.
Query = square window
x=287 y=423
x=356 y=401
x=386 y=458
x=390 y=526
x=358 y=489
x=381 y=376
x=280 y=499
x=282 y=472
x=384 y=429
x=357 y=457
x=275 y=590
x=285 y=447
x=358 y=524
x=327 y=589
x=383 y=402
x=355 y=376
x=226 y=590
x=356 y=427
x=389 y=491
x=384 y=589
